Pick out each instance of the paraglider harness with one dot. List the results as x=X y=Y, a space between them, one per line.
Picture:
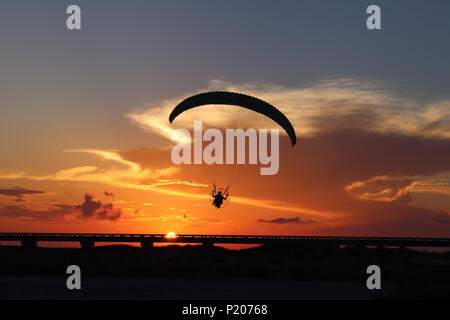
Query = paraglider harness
x=219 y=198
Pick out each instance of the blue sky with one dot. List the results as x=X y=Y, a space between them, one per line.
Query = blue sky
x=179 y=45
x=135 y=52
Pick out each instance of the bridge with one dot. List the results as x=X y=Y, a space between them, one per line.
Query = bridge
x=87 y=240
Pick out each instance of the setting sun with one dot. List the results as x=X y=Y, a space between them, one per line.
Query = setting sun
x=171 y=235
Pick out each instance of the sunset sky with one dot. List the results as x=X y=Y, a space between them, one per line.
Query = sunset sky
x=85 y=137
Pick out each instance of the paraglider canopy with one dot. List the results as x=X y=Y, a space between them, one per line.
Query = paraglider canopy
x=236 y=99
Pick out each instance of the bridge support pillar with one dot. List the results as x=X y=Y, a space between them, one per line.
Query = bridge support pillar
x=29 y=243
x=147 y=244
x=87 y=243
x=208 y=244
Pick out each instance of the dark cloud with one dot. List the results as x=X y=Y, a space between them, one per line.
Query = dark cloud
x=315 y=174
x=18 y=193
x=287 y=220
x=109 y=194
x=56 y=211
x=443 y=221
x=92 y=208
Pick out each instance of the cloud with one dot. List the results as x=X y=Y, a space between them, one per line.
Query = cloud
x=383 y=188
x=19 y=193
x=287 y=220
x=443 y=221
x=109 y=194
x=54 y=212
x=326 y=106
x=120 y=173
x=137 y=174
x=92 y=208
x=316 y=175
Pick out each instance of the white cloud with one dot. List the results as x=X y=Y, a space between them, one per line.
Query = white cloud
x=366 y=103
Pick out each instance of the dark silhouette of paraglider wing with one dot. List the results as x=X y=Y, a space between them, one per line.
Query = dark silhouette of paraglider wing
x=236 y=99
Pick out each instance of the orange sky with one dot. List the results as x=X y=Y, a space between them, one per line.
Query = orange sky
x=360 y=167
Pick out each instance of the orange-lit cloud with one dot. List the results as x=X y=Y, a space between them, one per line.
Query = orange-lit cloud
x=383 y=188
x=126 y=174
x=132 y=175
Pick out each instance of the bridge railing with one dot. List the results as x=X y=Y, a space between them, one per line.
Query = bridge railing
x=216 y=237
x=247 y=239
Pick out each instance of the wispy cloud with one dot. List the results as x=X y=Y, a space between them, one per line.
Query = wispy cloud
x=131 y=175
x=336 y=103
x=120 y=173
x=383 y=188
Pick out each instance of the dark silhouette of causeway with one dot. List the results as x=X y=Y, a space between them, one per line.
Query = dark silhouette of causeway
x=284 y=267
x=147 y=240
x=273 y=271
